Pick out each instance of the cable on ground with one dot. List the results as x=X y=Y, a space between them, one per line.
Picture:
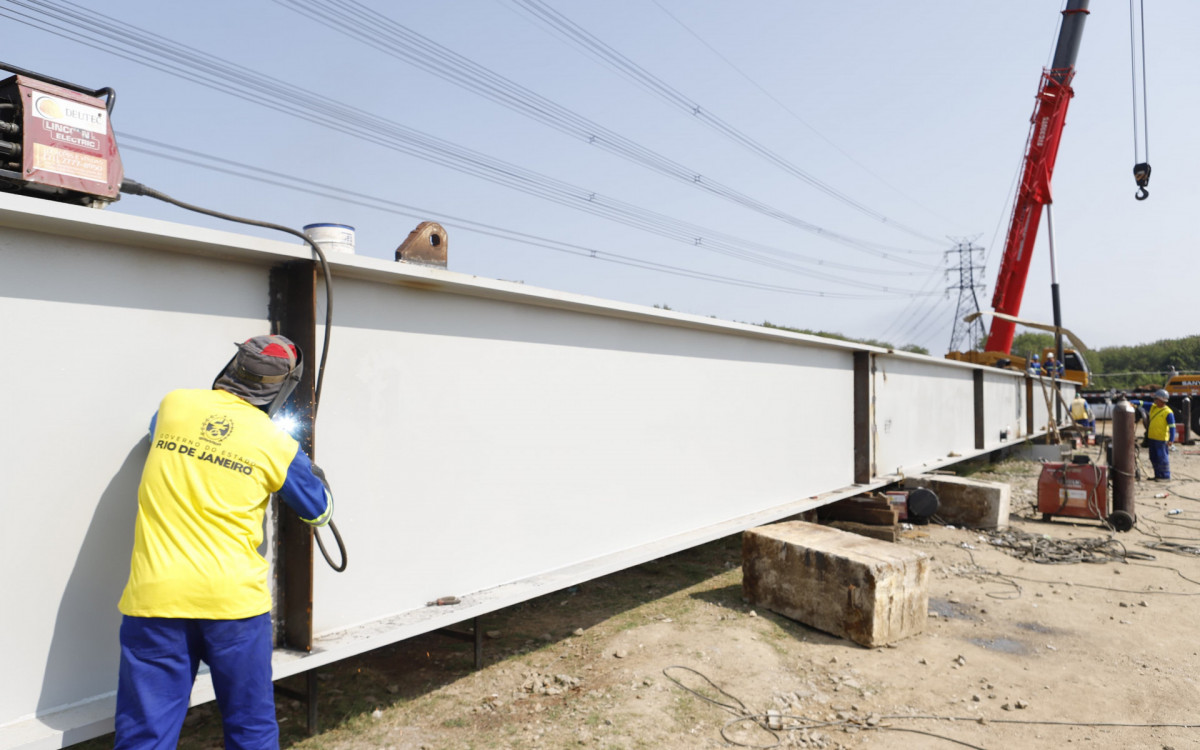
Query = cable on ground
x=870 y=722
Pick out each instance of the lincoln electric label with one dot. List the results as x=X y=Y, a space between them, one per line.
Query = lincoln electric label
x=70 y=163
x=70 y=136
x=71 y=114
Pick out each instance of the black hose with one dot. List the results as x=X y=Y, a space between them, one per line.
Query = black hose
x=133 y=187
x=341 y=547
x=107 y=91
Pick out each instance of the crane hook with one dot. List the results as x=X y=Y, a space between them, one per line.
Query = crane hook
x=1141 y=174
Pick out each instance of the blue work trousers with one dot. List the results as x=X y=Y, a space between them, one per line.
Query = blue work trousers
x=159 y=659
x=1160 y=458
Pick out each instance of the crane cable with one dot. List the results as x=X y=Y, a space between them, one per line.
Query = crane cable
x=1141 y=169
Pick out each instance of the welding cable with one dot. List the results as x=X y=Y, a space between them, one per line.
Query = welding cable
x=761 y=720
x=133 y=187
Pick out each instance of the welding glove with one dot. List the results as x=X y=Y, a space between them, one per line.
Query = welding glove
x=319 y=473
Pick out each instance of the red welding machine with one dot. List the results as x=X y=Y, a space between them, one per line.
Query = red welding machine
x=1077 y=490
x=56 y=140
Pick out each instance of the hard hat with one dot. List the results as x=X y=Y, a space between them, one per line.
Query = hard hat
x=263 y=372
x=1162 y=394
x=1050 y=355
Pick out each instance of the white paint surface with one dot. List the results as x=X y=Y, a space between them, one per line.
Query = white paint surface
x=484 y=439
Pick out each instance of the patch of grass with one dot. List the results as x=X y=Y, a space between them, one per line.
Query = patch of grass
x=685 y=711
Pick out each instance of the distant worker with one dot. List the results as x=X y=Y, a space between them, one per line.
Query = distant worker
x=198 y=587
x=1081 y=413
x=1035 y=367
x=1053 y=368
x=1160 y=433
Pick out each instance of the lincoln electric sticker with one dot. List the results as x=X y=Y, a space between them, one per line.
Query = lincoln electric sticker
x=71 y=114
x=70 y=163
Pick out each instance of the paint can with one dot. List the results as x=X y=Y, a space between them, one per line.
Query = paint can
x=331 y=238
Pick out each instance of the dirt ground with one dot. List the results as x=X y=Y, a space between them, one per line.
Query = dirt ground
x=1015 y=654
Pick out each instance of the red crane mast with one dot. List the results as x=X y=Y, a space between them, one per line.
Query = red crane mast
x=1033 y=192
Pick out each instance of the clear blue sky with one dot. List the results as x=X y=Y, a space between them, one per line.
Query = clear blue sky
x=917 y=112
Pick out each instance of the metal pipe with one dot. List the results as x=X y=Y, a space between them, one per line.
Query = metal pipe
x=1058 y=339
x=1123 y=446
x=1187 y=419
x=1069 y=35
x=1057 y=306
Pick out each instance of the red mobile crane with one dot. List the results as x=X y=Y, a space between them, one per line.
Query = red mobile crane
x=1033 y=192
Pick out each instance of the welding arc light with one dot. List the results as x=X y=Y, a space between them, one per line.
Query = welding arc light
x=287 y=421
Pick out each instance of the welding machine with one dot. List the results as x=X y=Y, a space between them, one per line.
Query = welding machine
x=1079 y=490
x=56 y=140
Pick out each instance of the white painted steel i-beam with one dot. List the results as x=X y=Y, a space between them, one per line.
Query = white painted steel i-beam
x=485 y=439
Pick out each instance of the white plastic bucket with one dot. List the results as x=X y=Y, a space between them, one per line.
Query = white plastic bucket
x=331 y=238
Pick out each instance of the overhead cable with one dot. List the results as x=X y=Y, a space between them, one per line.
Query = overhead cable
x=793 y=113
x=366 y=26
x=590 y=44
x=242 y=170
x=155 y=51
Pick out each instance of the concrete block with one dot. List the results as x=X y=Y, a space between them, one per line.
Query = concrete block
x=967 y=502
x=868 y=591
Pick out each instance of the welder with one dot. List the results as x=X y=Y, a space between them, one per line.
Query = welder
x=1160 y=433
x=197 y=587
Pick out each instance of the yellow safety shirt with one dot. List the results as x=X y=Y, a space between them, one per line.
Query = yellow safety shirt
x=1162 y=420
x=214 y=461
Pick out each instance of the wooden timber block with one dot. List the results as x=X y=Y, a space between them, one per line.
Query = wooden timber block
x=868 y=510
x=868 y=591
x=883 y=533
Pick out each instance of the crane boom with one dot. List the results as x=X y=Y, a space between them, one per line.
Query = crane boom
x=1033 y=191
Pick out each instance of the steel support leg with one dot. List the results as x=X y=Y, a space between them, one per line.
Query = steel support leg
x=308 y=698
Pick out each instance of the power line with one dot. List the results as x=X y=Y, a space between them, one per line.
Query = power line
x=366 y=26
x=914 y=308
x=155 y=51
x=793 y=113
x=924 y=328
x=591 y=45
x=242 y=170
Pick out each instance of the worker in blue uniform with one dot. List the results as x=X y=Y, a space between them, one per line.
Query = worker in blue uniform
x=197 y=587
x=1160 y=433
x=1052 y=367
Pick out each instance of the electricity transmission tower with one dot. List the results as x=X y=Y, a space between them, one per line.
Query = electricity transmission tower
x=969 y=257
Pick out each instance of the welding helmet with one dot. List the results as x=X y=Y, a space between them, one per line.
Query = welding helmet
x=264 y=371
